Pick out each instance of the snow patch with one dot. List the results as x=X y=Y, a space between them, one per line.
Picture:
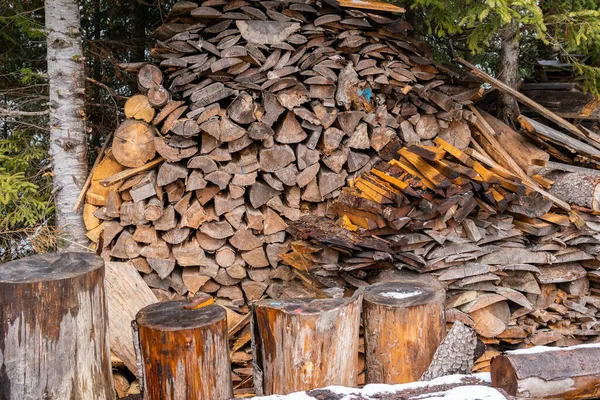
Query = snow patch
x=466 y=392
x=471 y=392
x=400 y=295
x=543 y=349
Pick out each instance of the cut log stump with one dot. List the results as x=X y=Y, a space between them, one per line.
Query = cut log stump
x=54 y=329
x=549 y=372
x=404 y=325
x=184 y=352
x=301 y=344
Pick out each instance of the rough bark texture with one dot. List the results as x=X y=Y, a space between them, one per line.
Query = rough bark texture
x=576 y=188
x=303 y=344
x=54 y=329
x=185 y=354
x=403 y=324
x=455 y=355
x=508 y=109
x=68 y=142
x=549 y=373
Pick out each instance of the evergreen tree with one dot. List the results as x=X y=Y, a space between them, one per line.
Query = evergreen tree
x=497 y=29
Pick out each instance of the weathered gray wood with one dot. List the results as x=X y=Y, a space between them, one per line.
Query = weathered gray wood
x=126 y=294
x=54 y=328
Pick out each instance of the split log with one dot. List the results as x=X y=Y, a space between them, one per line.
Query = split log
x=549 y=372
x=184 y=352
x=126 y=294
x=302 y=344
x=54 y=328
x=527 y=155
x=401 y=352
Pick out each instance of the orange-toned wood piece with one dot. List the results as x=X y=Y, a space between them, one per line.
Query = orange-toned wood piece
x=403 y=325
x=302 y=344
x=549 y=373
x=185 y=353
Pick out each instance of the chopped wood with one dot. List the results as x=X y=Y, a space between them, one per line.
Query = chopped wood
x=312 y=146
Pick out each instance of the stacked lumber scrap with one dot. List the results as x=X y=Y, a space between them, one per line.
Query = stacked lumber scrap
x=517 y=263
x=561 y=89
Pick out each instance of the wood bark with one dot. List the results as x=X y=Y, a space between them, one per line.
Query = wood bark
x=582 y=189
x=68 y=137
x=303 y=344
x=54 y=329
x=508 y=109
x=126 y=294
x=184 y=352
x=455 y=355
x=401 y=352
x=549 y=373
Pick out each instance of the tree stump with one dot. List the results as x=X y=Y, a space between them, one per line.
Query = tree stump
x=184 y=352
x=54 y=329
x=302 y=344
x=549 y=372
x=403 y=324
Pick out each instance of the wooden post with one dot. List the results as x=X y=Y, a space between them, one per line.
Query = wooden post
x=549 y=372
x=403 y=324
x=184 y=352
x=54 y=329
x=302 y=344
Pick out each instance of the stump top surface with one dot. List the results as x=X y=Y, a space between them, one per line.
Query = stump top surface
x=403 y=294
x=305 y=306
x=49 y=267
x=171 y=316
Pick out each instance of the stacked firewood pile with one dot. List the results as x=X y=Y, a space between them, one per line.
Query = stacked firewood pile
x=262 y=113
x=517 y=259
x=265 y=112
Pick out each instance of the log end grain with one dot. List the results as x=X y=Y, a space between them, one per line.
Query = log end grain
x=171 y=316
x=50 y=267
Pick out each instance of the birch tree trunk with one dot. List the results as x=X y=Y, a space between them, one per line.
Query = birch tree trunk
x=68 y=144
x=508 y=109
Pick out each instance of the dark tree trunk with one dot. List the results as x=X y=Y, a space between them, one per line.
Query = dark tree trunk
x=508 y=109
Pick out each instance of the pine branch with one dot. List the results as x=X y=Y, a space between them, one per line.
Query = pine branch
x=16 y=113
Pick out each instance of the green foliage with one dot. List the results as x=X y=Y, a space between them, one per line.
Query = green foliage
x=24 y=188
x=481 y=20
x=564 y=26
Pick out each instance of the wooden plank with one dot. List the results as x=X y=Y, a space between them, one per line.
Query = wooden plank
x=126 y=294
x=558 y=137
x=525 y=100
x=371 y=5
x=111 y=180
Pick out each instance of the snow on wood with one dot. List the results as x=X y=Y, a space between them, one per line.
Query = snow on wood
x=452 y=387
